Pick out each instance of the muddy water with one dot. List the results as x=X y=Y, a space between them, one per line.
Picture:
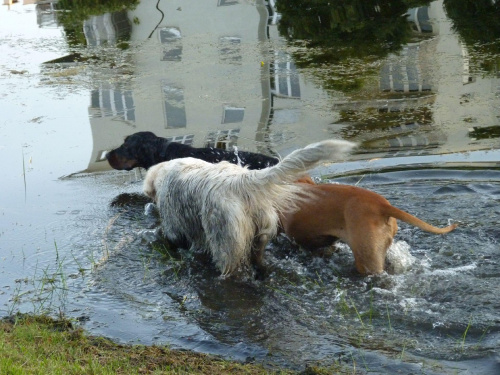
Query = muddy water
x=75 y=237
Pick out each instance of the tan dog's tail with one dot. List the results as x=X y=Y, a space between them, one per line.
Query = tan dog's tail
x=300 y=161
x=410 y=219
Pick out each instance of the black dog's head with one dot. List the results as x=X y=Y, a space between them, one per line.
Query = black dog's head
x=138 y=150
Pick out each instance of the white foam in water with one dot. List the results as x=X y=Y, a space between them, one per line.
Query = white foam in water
x=410 y=303
x=150 y=235
x=237 y=155
x=343 y=247
x=454 y=270
x=398 y=259
x=149 y=209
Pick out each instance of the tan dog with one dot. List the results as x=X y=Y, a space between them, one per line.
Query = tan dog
x=364 y=220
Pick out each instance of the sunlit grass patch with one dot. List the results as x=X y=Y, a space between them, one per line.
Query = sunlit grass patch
x=41 y=345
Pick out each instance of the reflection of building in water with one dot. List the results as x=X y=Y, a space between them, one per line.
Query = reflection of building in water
x=395 y=117
x=422 y=101
x=463 y=98
x=430 y=91
x=215 y=83
x=194 y=82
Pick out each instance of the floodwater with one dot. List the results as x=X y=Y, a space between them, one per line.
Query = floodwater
x=418 y=89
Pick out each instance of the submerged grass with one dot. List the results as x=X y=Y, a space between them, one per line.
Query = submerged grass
x=175 y=262
x=46 y=290
x=465 y=333
x=42 y=345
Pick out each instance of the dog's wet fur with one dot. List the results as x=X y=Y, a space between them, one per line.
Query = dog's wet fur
x=230 y=211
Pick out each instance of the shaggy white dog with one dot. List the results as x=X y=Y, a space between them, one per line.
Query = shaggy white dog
x=228 y=210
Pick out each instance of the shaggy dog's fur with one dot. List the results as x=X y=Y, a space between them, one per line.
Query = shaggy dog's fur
x=145 y=149
x=230 y=211
x=364 y=220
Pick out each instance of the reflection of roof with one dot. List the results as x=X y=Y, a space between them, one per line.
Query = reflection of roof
x=71 y=59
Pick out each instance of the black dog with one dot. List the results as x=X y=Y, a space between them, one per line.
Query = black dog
x=145 y=149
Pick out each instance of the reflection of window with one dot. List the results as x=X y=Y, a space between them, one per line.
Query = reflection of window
x=286 y=116
x=184 y=139
x=274 y=16
x=232 y=114
x=46 y=14
x=223 y=3
x=230 y=50
x=402 y=73
x=170 y=37
x=107 y=28
x=419 y=19
x=113 y=102
x=224 y=139
x=175 y=110
x=285 y=79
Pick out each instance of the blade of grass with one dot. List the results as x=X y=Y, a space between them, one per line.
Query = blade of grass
x=24 y=175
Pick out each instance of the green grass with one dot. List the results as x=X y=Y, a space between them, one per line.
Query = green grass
x=41 y=345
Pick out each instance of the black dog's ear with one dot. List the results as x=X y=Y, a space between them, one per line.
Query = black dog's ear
x=145 y=147
x=147 y=154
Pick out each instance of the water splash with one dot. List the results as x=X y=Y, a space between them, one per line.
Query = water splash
x=398 y=259
x=235 y=148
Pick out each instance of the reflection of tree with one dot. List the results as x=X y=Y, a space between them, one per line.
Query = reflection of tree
x=345 y=32
x=381 y=120
x=477 y=23
x=77 y=11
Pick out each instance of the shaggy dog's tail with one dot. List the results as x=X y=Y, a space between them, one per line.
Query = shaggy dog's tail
x=300 y=161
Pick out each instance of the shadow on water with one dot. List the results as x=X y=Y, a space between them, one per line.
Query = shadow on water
x=415 y=83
